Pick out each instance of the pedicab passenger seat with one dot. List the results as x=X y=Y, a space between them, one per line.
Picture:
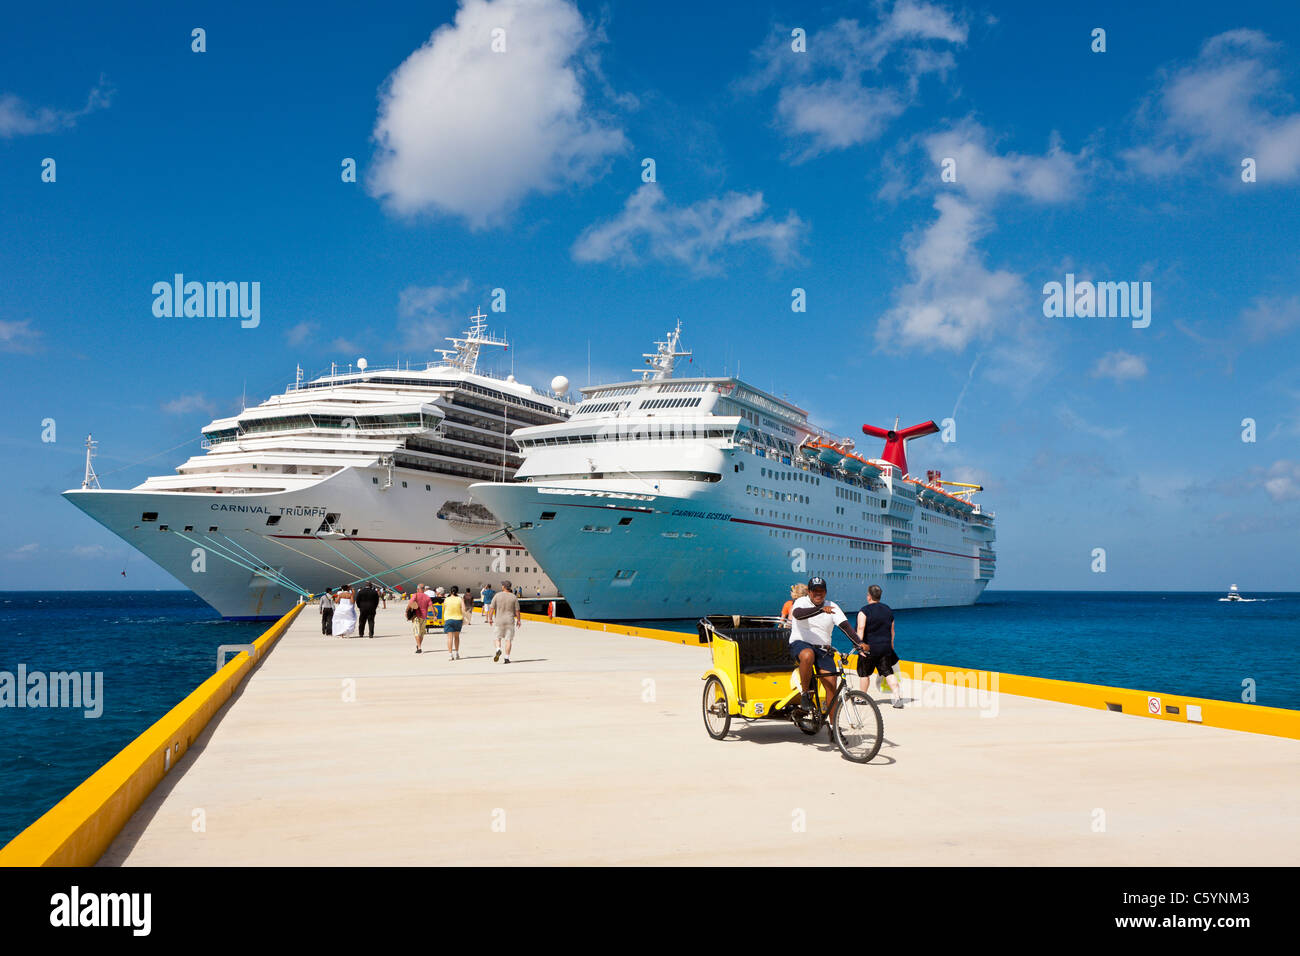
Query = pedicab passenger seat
x=762 y=642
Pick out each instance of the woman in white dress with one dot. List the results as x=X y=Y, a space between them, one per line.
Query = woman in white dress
x=345 y=613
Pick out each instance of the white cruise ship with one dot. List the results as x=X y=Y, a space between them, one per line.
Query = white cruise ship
x=678 y=497
x=356 y=474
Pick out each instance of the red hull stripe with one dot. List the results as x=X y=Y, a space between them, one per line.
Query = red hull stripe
x=849 y=537
x=457 y=544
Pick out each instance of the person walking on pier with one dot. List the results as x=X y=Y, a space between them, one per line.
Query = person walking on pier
x=345 y=613
x=453 y=618
x=876 y=630
x=367 y=605
x=326 y=612
x=503 y=615
x=420 y=601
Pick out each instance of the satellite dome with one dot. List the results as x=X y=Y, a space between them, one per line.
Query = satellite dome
x=510 y=378
x=362 y=363
x=559 y=385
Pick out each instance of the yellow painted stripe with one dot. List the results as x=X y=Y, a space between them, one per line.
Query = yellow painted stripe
x=80 y=827
x=672 y=637
x=1230 y=715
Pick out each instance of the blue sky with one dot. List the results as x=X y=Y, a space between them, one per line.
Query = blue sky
x=775 y=169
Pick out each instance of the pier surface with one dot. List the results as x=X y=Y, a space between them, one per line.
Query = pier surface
x=590 y=749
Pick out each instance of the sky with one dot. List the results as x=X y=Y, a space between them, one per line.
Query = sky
x=923 y=172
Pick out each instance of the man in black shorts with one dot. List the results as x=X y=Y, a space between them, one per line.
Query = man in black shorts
x=876 y=630
x=812 y=621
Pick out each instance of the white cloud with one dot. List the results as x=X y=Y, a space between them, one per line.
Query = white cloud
x=651 y=227
x=301 y=333
x=469 y=132
x=1268 y=318
x=186 y=404
x=428 y=300
x=833 y=96
x=24 y=551
x=19 y=119
x=1074 y=422
x=1121 y=366
x=1227 y=105
x=18 y=337
x=90 y=551
x=986 y=176
x=953 y=298
x=427 y=314
x=1283 y=481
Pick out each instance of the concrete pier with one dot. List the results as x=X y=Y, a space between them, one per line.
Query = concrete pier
x=589 y=748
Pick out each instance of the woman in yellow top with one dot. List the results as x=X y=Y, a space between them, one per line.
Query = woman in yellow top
x=453 y=619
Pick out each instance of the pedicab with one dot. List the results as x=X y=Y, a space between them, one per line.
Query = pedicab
x=753 y=677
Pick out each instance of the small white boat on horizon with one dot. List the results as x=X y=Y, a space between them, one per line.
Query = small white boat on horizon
x=1235 y=595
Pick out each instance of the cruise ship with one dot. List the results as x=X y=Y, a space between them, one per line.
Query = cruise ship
x=356 y=474
x=669 y=498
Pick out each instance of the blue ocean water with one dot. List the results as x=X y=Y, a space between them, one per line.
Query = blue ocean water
x=1173 y=642
x=152 y=647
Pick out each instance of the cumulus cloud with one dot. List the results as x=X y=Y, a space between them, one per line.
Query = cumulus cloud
x=469 y=132
x=651 y=227
x=1226 y=105
x=187 y=404
x=953 y=298
x=1121 y=366
x=18 y=337
x=17 y=118
x=985 y=175
x=837 y=94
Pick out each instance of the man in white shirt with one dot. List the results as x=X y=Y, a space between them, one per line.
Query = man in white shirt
x=812 y=621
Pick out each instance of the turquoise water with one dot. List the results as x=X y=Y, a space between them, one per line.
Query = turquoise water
x=1174 y=642
x=154 y=647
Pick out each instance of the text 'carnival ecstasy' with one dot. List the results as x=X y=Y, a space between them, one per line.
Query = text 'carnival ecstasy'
x=674 y=497
x=357 y=474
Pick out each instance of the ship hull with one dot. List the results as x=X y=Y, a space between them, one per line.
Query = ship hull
x=618 y=552
x=249 y=569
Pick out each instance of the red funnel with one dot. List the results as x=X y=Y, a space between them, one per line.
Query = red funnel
x=895 y=441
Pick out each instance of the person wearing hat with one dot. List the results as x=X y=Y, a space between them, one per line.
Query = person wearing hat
x=813 y=620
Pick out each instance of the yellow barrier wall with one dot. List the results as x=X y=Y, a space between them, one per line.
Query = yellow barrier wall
x=1229 y=715
x=79 y=828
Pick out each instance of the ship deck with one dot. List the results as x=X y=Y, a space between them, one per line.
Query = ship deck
x=589 y=749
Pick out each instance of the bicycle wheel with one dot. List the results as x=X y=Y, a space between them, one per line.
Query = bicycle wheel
x=717 y=715
x=858 y=727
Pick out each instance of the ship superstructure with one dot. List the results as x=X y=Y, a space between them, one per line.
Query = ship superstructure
x=674 y=497
x=354 y=474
